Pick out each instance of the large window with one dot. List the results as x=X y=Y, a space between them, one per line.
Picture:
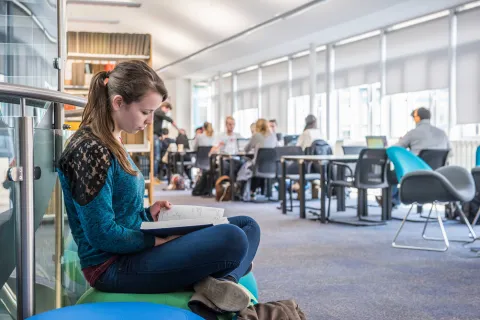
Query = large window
x=354 y=114
x=402 y=105
x=243 y=119
x=299 y=109
x=201 y=103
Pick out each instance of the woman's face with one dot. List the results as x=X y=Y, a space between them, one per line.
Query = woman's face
x=135 y=116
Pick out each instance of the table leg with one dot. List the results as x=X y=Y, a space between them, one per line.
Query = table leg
x=340 y=190
x=232 y=179
x=301 y=191
x=362 y=204
x=182 y=163
x=283 y=187
x=323 y=193
x=387 y=203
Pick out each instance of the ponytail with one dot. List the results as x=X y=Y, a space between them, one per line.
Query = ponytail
x=208 y=129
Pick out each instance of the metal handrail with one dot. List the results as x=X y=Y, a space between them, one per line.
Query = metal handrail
x=25 y=238
x=27 y=92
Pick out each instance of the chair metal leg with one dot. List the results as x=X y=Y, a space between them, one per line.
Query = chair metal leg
x=471 y=234
x=445 y=239
x=476 y=218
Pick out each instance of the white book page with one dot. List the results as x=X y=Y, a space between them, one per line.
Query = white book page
x=183 y=223
x=181 y=212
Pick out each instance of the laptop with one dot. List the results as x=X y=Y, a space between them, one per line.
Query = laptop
x=376 y=142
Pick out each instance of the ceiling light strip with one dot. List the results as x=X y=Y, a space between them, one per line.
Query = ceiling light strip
x=248 y=31
x=114 y=3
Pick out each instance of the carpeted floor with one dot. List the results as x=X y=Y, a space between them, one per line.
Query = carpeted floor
x=343 y=272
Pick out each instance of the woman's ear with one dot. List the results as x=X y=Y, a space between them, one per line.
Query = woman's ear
x=117 y=102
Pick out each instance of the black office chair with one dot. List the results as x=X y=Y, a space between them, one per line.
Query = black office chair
x=265 y=167
x=203 y=159
x=370 y=173
x=287 y=151
x=435 y=158
x=202 y=162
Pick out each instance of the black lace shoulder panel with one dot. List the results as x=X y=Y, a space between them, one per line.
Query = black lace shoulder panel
x=85 y=163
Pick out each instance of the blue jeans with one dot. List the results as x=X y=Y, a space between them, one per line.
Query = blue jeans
x=157 y=151
x=218 y=251
x=395 y=195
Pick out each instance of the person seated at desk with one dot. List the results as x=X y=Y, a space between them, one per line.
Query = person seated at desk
x=228 y=144
x=205 y=139
x=423 y=136
x=182 y=139
x=274 y=127
x=263 y=138
x=227 y=141
x=310 y=133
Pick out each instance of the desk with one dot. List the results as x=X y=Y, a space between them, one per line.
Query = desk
x=323 y=161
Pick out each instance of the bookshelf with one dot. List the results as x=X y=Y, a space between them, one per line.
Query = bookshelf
x=91 y=52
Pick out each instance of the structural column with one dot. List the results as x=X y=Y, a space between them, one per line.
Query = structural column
x=313 y=78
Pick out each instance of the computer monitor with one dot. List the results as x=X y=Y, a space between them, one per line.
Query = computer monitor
x=376 y=142
x=290 y=140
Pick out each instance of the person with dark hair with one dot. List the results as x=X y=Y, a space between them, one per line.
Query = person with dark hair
x=198 y=131
x=104 y=199
x=425 y=135
x=310 y=132
x=274 y=127
x=159 y=116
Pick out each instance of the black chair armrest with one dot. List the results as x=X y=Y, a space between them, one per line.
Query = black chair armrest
x=340 y=164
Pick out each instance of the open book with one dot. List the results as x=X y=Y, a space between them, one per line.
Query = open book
x=180 y=220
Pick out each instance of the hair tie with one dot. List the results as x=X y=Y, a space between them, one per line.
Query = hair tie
x=107 y=75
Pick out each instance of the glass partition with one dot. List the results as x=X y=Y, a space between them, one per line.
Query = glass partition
x=44 y=209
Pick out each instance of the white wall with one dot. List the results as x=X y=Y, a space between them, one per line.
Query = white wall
x=180 y=95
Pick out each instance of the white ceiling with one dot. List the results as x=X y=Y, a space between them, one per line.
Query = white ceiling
x=182 y=27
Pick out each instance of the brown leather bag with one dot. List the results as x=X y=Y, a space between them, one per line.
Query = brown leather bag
x=223 y=187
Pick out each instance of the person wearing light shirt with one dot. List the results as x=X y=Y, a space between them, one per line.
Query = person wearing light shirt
x=227 y=142
x=310 y=133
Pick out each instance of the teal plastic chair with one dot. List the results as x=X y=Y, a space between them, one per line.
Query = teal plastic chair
x=419 y=184
x=477 y=157
x=405 y=161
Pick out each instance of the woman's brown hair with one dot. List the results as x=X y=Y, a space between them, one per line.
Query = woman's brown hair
x=262 y=127
x=208 y=129
x=132 y=80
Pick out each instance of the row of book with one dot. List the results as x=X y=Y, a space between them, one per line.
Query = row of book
x=80 y=73
x=108 y=43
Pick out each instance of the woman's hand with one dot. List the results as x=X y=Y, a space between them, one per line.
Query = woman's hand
x=157 y=207
x=160 y=241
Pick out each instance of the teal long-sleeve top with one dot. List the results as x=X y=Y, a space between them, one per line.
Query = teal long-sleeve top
x=104 y=203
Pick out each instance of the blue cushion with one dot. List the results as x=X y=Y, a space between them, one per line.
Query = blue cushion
x=249 y=282
x=405 y=161
x=117 y=311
